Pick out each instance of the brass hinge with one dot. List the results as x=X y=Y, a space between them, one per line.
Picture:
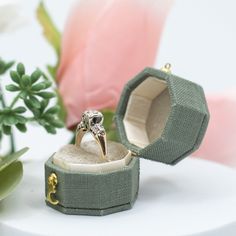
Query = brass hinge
x=52 y=183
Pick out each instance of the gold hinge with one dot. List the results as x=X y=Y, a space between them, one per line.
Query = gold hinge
x=166 y=68
x=52 y=183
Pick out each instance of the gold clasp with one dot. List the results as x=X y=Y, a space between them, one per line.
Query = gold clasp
x=166 y=68
x=52 y=183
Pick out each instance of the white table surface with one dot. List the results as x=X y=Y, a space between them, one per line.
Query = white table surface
x=195 y=197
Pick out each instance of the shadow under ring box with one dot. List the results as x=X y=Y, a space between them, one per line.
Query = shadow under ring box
x=160 y=117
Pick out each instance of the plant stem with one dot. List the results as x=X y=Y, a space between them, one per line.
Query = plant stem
x=14 y=101
x=12 y=143
x=2 y=100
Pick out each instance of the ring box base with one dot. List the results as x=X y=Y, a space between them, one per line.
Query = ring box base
x=92 y=212
x=94 y=194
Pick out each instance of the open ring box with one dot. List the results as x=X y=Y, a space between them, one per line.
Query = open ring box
x=160 y=117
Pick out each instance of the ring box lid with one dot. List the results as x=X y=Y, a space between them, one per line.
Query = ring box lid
x=161 y=116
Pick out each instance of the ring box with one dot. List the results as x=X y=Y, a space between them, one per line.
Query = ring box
x=160 y=117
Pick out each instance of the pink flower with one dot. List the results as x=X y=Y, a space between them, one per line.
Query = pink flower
x=105 y=43
x=219 y=143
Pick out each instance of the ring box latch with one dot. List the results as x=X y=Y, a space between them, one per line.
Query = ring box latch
x=52 y=183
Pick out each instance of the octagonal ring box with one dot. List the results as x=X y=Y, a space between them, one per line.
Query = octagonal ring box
x=160 y=117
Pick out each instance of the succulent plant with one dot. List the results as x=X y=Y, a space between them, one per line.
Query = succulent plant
x=30 y=104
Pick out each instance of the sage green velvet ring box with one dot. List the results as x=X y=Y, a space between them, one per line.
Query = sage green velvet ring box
x=160 y=117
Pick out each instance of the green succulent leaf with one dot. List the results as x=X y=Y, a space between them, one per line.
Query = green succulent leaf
x=21 y=119
x=57 y=123
x=36 y=113
x=15 y=76
x=50 y=129
x=44 y=104
x=28 y=104
x=21 y=127
x=35 y=76
x=20 y=69
x=12 y=88
x=10 y=120
x=53 y=110
x=8 y=65
x=46 y=95
x=25 y=80
x=39 y=86
x=20 y=110
x=6 y=129
x=47 y=84
x=5 y=66
x=23 y=95
x=34 y=102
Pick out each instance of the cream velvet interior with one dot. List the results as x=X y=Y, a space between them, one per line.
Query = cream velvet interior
x=147 y=112
x=86 y=158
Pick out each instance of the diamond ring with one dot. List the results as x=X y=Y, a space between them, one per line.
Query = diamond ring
x=92 y=121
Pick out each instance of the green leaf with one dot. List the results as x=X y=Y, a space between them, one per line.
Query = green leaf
x=47 y=84
x=20 y=110
x=35 y=76
x=21 y=119
x=8 y=65
x=2 y=64
x=36 y=113
x=5 y=66
x=39 y=86
x=10 y=120
x=7 y=160
x=15 y=76
x=23 y=95
x=6 y=129
x=46 y=95
x=48 y=117
x=9 y=178
x=57 y=123
x=34 y=102
x=28 y=104
x=6 y=110
x=49 y=29
x=50 y=129
x=12 y=88
x=25 y=80
x=21 y=127
x=53 y=110
x=20 y=69
x=44 y=104
x=42 y=122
